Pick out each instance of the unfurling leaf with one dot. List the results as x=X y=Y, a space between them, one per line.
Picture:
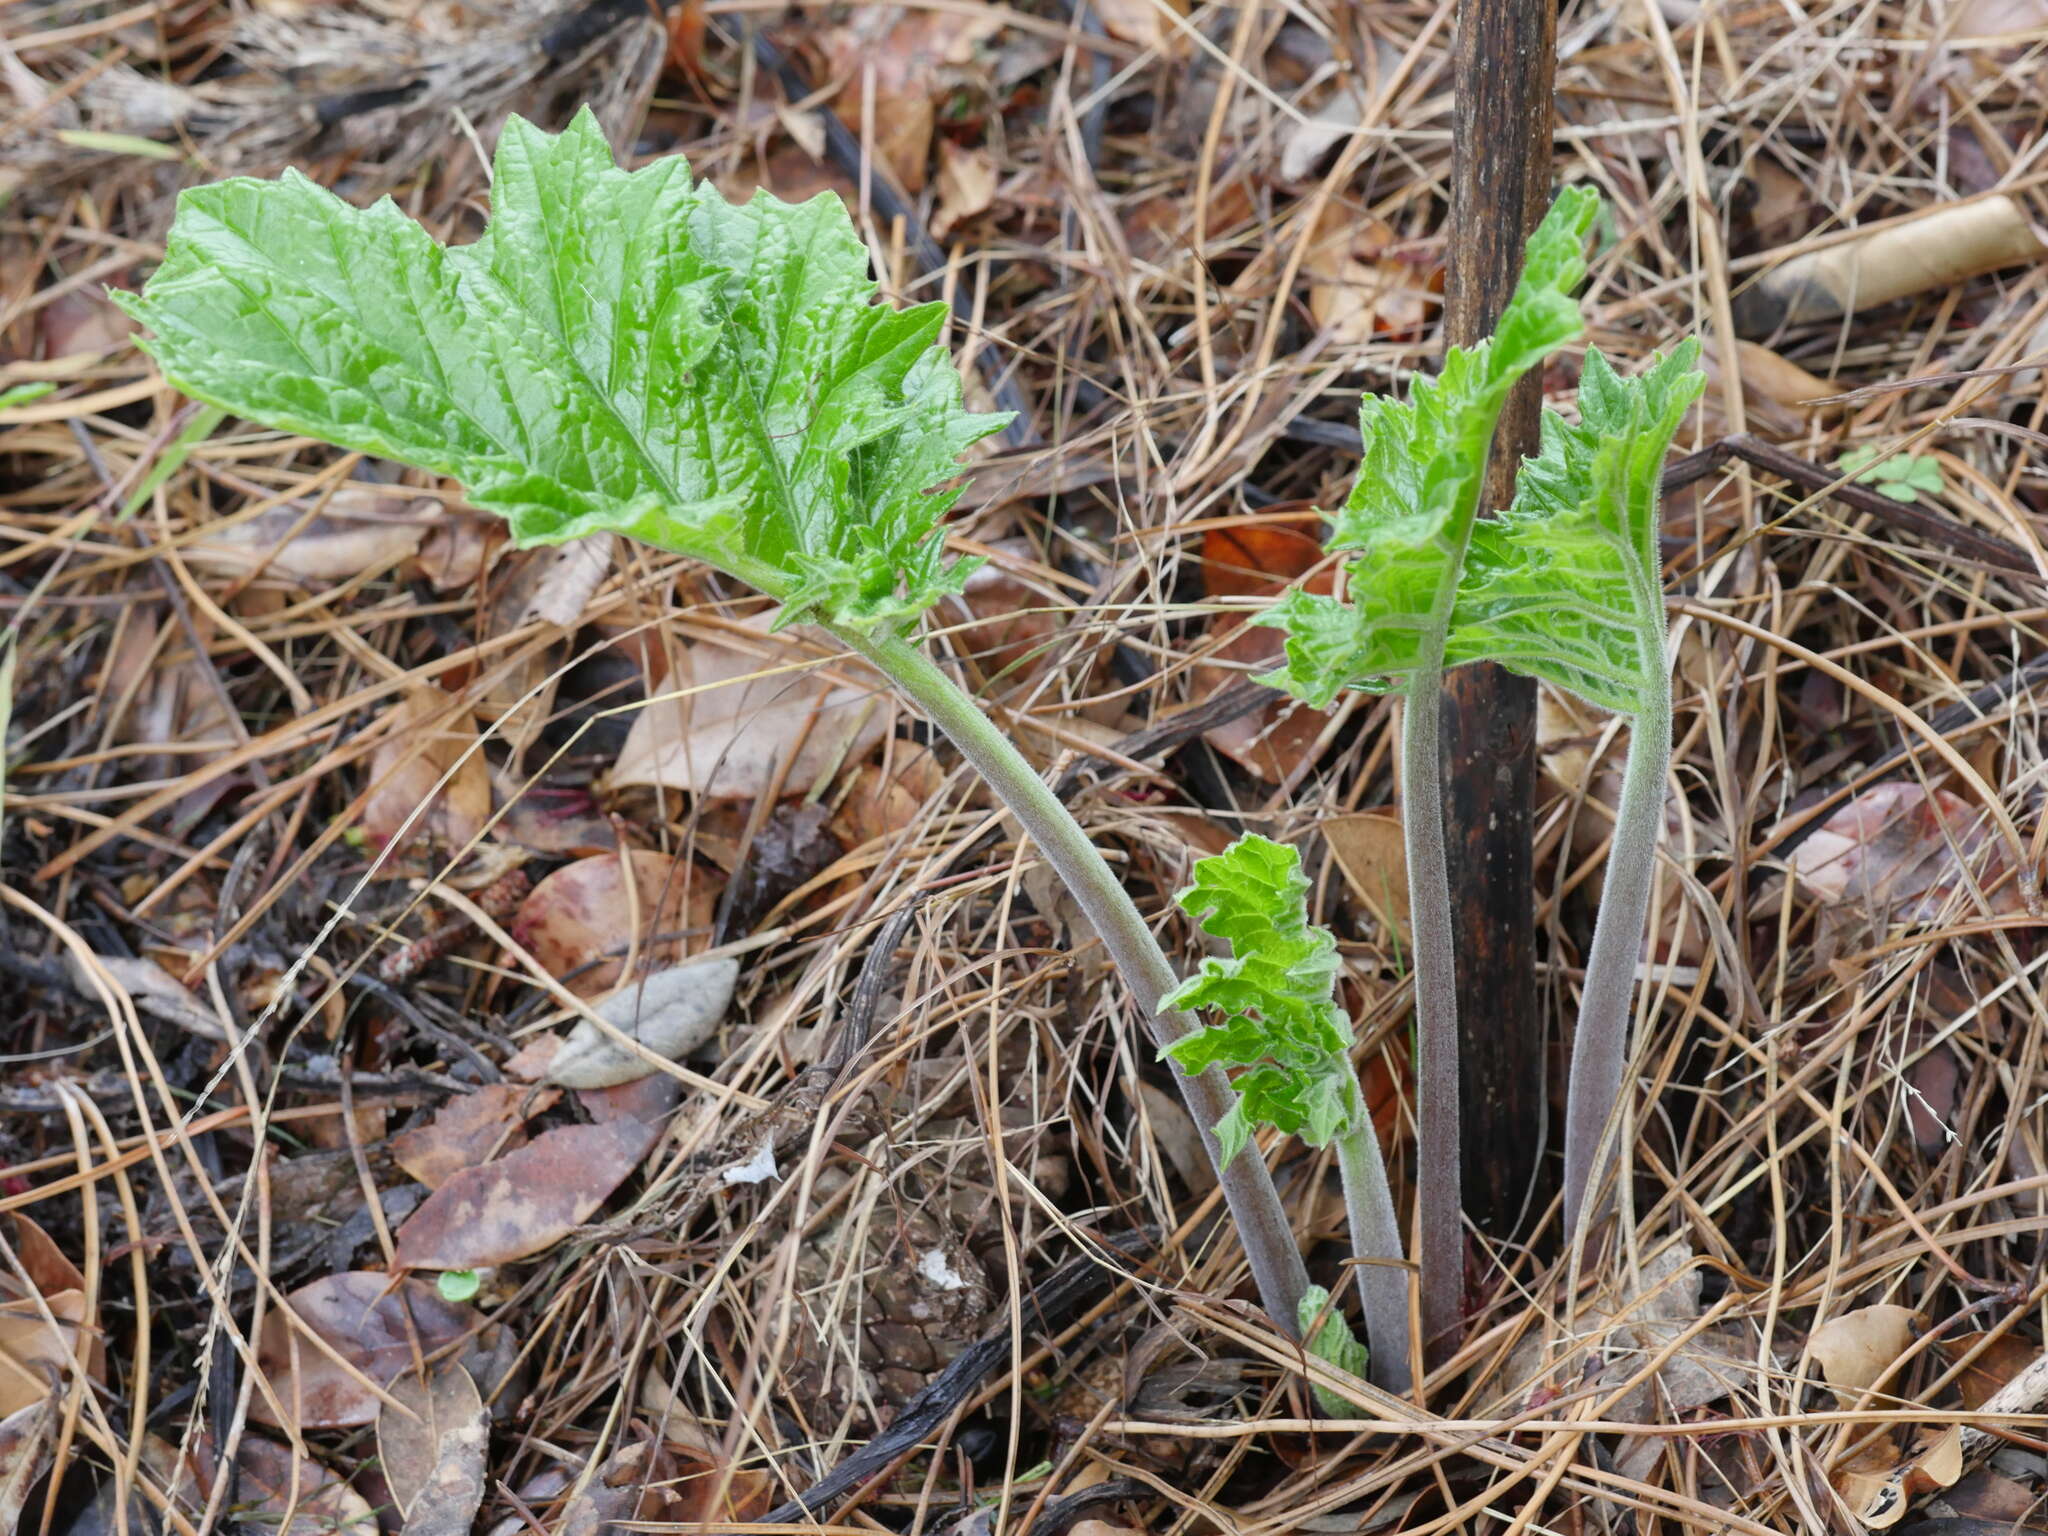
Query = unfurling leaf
x=1412 y=507
x=1277 y=992
x=1566 y=585
x=1328 y=1337
x=618 y=351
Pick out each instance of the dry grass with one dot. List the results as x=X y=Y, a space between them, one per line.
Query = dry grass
x=1837 y=1100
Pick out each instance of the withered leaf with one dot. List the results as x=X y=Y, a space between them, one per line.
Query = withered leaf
x=363 y=1316
x=434 y=1458
x=468 y=1130
x=525 y=1202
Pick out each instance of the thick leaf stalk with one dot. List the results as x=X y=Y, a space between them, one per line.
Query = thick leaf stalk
x=1410 y=517
x=1247 y=1184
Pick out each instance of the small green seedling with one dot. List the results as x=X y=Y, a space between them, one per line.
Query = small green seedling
x=630 y=352
x=1564 y=586
x=458 y=1285
x=1281 y=1022
x=1902 y=476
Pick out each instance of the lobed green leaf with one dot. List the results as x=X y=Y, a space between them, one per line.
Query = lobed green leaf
x=1412 y=507
x=619 y=350
x=1277 y=992
x=1566 y=584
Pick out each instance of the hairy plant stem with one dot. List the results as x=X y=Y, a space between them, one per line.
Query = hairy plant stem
x=1262 y=1225
x=1376 y=1238
x=1600 y=1048
x=1439 y=1182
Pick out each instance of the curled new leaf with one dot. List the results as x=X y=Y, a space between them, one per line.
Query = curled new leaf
x=1327 y=1336
x=1277 y=991
x=1411 y=510
x=618 y=351
x=1566 y=585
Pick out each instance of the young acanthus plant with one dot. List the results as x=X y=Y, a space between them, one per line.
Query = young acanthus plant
x=1564 y=586
x=630 y=352
x=1277 y=991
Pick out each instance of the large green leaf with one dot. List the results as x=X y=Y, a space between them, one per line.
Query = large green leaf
x=1566 y=585
x=623 y=351
x=1412 y=507
x=1277 y=992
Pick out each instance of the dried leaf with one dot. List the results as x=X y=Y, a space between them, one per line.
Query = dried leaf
x=889 y=796
x=468 y=1130
x=1148 y=23
x=1248 y=559
x=578 y=922
x=434 y=1458
x=48 y=1270
x=734 y=728
x=1368 y=848
x=368 y=1319
x=273 y=1481
x=1893 y=851
x=570 y=576
x=151 y=988
x=967 y=185
x=1858 y=1350
x=406 y=778
x=559 y=820
x=25 y=1443
x=1356 y=290
x=670 y=1013
x=2001 y=1360
x=1010 y=621
x=34 y=1352
x=911 y=58
x=525 y=1202
x=1881 y=1494
x=361 y=531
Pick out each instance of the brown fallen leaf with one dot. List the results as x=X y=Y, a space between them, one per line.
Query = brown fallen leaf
x=911 y=59
x=361 y=531
x=967 y=186
x=1009 y=622
x=891 y=795
x=368 y=1319
x=433 y=1458
x=560 y=820
x=1356 y=289
x=25 y=1444
x=45 y=1264
x=35 y=1350
x=469 y=1129
x=406 y=778
x=274 y=1481
x=1859 y=1349
x=1997 y=1363
x=578 y=922
x=1881 y=1483
x=1148 y=23
x=730 y=721
x=1246 y=559
x=525 y=1202
x=1893 y=850
x=1272 y=738
x=1368 y=848
x=1939 y=247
